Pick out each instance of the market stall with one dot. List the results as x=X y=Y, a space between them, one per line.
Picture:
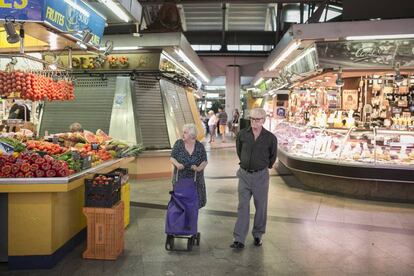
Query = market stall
x=348 y=127
x=42 y=188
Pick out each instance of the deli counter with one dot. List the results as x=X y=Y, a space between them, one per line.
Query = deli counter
x=370 y=164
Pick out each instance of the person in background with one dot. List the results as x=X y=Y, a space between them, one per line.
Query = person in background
x=235 y=122
x=189 y=156
x=257 y=150
x=76 y=127
x=222 y=117
x=212 y=121
x=20 y=110
x=204 y=120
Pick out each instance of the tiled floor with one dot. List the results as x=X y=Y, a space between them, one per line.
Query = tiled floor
x=307 y=234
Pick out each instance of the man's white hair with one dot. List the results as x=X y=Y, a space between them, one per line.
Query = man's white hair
x=258 y=113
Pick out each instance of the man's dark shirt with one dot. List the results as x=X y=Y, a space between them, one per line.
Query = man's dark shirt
x=259 y=154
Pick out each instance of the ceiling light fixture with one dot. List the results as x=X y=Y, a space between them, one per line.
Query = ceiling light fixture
x=12 y=36
x=124 y=48
x=284 y=55
x=116 y=10
x=176 y=63
x=372 y=37
x=256 y=83
x=339 y=80
x=191 y=64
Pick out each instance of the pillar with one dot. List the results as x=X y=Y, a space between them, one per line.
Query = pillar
x=232 y=89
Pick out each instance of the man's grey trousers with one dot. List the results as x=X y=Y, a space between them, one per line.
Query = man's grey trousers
x=256 y=184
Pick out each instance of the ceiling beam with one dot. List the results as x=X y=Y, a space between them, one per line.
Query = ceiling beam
x=158 y=2
x=231 y=37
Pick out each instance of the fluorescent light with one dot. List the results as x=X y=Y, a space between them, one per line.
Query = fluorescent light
x=53 y=41
x=82 y=45
x=77 y=7
x=213 y=95
x=214 y=87
x=189 y=62
x=256 y=83
x=176 y=63
x=284 y=55
x=371 y=37
x=53 y=66
x=120 y=48
x=116 y=9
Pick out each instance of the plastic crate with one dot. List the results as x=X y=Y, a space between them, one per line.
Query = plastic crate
x=104 y=196
x=121 y=172
x=126 y=198
x=105 y=228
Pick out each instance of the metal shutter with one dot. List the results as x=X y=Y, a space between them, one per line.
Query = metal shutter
x=171 y=97
x=150 y=113
x=91 y=108
x=185 y=107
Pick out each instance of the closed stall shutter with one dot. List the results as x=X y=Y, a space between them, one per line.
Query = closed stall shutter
x=173 y=101
x=91 y=108
x=150 y=113
x=182 y=95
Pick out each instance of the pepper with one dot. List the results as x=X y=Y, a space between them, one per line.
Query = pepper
x=20 y=175
x=29 y=175
x=39 y=160
x=40 y=173
x=25 y=167
x=6 y=169
x=46 y=166
x=50 y=173
x=34 y=167
x=15 y=168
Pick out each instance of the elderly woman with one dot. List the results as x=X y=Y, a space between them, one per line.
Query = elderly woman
x=76 y=127
x=189 y=156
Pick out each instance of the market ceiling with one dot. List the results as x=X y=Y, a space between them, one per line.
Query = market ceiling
x=228 y=22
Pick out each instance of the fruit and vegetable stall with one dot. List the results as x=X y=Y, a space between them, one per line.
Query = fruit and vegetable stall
x=42 y=187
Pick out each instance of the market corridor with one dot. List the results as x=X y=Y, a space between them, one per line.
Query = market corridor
x=307 y=234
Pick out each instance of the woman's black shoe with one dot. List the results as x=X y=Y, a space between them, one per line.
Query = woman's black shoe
x=237 y=245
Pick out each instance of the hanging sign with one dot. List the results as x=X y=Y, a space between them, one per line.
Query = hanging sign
x=21 y=10
x=65 y=15
x=366 y=53
x=75 y=15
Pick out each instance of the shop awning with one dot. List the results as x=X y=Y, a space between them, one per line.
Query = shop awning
x=308 y=49
x=175 y=45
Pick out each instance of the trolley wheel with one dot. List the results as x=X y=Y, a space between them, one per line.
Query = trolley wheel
x=169 y=243
x=190 y=243
x=198 y=238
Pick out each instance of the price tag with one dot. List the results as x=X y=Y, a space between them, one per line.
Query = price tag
x=75 y=155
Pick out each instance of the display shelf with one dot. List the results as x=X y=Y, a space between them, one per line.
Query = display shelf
x=378 y=148
x=58 y=184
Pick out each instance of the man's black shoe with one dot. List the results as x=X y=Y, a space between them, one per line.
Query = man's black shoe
x=237 y=245
x=258 y=242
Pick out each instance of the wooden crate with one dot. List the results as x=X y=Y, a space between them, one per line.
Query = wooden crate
x=105 y=238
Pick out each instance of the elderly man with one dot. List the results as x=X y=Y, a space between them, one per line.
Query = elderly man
x=257 y=150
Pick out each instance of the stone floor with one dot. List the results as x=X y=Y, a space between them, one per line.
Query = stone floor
x=307 y=233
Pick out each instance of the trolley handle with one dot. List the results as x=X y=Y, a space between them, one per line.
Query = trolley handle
x=188 y=166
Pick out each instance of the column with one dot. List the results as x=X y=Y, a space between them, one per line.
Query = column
x=232 y=89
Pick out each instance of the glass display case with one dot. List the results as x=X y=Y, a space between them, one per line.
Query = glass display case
x=353 y=146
